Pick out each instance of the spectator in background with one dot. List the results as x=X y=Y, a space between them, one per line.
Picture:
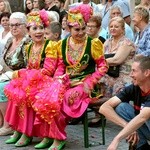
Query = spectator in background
x=5 y=6
x=106 y=11
x=60 y=4
x=89 y=2
x=53 y=16
x=5 y=34
x=101 y=5
x=65 y=29
x=13 y=59
x=53 y=31
x=93 y=28
x=145 y=3
x=123 y=51
x=116 y=11
x=51 y=6
x=141 y=21
x=38 y=5
x=28 y=6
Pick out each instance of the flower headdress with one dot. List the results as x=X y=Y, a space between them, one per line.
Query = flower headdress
x=38 y=18
x=79 y=15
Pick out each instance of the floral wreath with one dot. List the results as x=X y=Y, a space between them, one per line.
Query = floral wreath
x=38 y=18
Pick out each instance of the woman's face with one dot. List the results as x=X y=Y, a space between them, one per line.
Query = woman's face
x=2 y=6
x=114 y=13
x=115 y=28
x=5 y=22
x=136 y=19
x=35 y=4
x=64 y=23
x=78 y=33
x=37 y=33
x=29 y=4
x=92 y=29
x=17 y=28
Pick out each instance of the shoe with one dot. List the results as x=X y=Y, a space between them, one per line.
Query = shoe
x=14 y=138
x=6 y=131
x=21 y=143
x=59 y=147
x=45 y=143
x=96 y=124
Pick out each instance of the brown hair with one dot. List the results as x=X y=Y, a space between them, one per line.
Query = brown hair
x=97 y=19
x=144 y=61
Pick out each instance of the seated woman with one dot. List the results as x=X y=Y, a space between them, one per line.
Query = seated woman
x=12 y=59
x=41 y=64
x=81 y=59
x=124 y=51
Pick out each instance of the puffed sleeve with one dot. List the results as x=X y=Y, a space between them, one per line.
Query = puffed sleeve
x=50 y=61
x=60 y=65
x=101 y=65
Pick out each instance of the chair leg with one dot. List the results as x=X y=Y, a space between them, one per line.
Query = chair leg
x=103 y=129
x=86 y=134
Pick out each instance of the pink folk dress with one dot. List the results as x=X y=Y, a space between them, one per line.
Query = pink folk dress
x=77 y=69
x=22 y=90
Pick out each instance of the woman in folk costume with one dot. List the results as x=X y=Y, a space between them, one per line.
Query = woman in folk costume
x=42 y=61
x=81 y=60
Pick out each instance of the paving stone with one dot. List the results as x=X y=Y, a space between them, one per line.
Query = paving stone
x=75 y=140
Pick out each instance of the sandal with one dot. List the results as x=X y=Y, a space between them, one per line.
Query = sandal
x=6 y=131
x=23 y=141
x=45 y=143
x=59 y=147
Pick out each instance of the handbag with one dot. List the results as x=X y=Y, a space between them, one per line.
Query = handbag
x=113 y=71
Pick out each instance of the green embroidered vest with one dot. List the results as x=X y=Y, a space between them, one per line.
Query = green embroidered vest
x=85 y=66
x=42 y=55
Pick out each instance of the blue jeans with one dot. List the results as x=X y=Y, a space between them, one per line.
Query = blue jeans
x=126 y=111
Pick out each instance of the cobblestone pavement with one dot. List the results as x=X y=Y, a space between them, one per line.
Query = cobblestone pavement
x=75 y=139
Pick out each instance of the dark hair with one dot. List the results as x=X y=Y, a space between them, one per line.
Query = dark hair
x=41 y=4
x=144 y=61
x=62 y=15
x=4 y=14
x=26 y=8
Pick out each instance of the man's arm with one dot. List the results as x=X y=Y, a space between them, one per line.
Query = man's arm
x=132 y=126
x=108 y=110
